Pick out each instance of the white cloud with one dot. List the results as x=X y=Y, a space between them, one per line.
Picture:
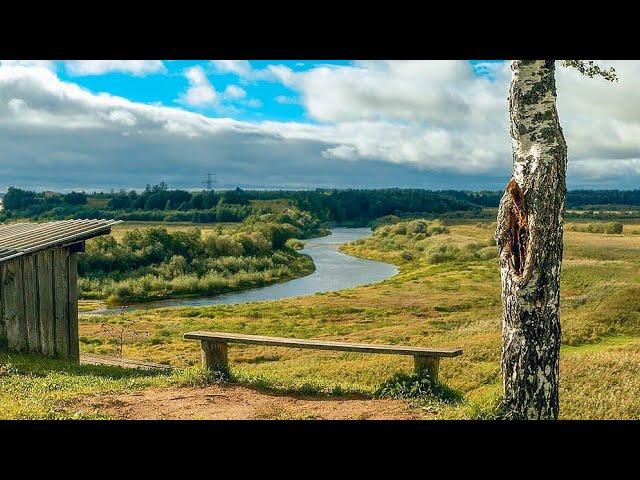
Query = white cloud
x=48 y=64
x=200 y=92
x=234 y=92
x=122 y=117
x=241 y=68
x=439 y=92
x=246 y=72
x=284 y=100
x=17 y=105
x=100 y=67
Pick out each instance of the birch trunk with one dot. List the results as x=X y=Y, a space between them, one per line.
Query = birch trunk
x=529 y=237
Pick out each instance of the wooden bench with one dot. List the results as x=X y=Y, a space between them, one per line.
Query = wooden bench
x=215 y=353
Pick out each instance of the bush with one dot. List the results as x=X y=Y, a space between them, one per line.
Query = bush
x=416 y=226
x=294 y=244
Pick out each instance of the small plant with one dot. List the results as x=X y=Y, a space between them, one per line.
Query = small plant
x=119 y=332
x=420 y=390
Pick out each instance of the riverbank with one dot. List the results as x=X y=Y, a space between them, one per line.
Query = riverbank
x=332 y=270
x=153 y=263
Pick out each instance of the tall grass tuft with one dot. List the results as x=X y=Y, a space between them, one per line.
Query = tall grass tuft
x=421 y=390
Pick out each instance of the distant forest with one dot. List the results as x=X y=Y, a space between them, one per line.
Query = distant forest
x=344 y=207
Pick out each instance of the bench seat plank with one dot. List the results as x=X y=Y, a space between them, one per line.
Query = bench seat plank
x=222 y=337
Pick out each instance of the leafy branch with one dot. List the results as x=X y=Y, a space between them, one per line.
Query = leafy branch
x=590 y=69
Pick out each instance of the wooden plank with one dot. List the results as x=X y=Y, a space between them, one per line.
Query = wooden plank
x=46 y=313
x=74 y=344
x=321 y=345
x=30 y=283
x=61 y=301
x=13 y=305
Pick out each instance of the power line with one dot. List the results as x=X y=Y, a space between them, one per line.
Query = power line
x=210 y=181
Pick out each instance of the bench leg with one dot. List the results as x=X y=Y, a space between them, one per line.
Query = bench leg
x=214 y=356
x=426 y=366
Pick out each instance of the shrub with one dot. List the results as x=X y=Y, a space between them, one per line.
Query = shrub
x=611 y=228
x=417 y=226
x=294 y=244
x=422 y=390
x=406 y=255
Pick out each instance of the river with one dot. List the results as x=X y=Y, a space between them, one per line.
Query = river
x=334 y=271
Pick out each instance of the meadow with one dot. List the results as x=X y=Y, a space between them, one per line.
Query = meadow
x=447 y=294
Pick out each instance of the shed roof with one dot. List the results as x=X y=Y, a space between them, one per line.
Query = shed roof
x=17 y=239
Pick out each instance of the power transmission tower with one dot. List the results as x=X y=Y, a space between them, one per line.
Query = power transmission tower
x=210 y=181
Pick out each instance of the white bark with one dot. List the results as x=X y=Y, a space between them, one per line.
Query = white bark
x=529 y=237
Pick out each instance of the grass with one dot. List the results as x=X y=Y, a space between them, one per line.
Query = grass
x=453 y=303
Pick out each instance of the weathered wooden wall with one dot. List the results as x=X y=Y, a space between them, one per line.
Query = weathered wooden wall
x=39 y=303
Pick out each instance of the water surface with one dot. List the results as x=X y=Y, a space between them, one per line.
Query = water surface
x=334 y=271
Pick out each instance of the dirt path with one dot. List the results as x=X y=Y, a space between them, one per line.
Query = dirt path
x=233 y=402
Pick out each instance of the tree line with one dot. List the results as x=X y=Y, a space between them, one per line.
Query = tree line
x=346 y=206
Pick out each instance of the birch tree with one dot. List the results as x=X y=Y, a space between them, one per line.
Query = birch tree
x=529 y=238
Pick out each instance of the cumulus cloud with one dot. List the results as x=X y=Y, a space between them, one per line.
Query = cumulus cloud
x=234 y=92
x=419 y=124
x=100 y=67
x=238 y=67
x=200 y=92
x=441 y=115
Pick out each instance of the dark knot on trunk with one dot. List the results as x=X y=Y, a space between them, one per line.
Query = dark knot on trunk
x=512 y=234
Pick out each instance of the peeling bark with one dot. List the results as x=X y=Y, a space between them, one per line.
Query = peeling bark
x=529 y=238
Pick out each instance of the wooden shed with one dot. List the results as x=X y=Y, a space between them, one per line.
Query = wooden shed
x=39 y=284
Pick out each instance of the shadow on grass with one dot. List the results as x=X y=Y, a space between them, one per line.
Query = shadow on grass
x=419 y=391
x=308 y=390
x=37 y=365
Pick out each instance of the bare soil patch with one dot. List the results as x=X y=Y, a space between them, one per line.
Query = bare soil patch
x=233 y=402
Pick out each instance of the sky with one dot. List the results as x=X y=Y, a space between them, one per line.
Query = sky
x=113 y=124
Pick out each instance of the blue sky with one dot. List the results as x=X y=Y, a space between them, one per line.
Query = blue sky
x=433 y=124
x=163 y=88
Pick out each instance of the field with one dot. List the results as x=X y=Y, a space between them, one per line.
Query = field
x=447 y=294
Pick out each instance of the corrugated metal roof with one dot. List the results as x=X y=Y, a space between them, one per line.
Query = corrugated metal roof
x=17 y=239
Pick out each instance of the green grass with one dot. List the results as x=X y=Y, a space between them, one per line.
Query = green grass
x=423 y=392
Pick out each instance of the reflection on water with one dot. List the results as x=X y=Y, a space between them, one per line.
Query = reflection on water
x=334 y=271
